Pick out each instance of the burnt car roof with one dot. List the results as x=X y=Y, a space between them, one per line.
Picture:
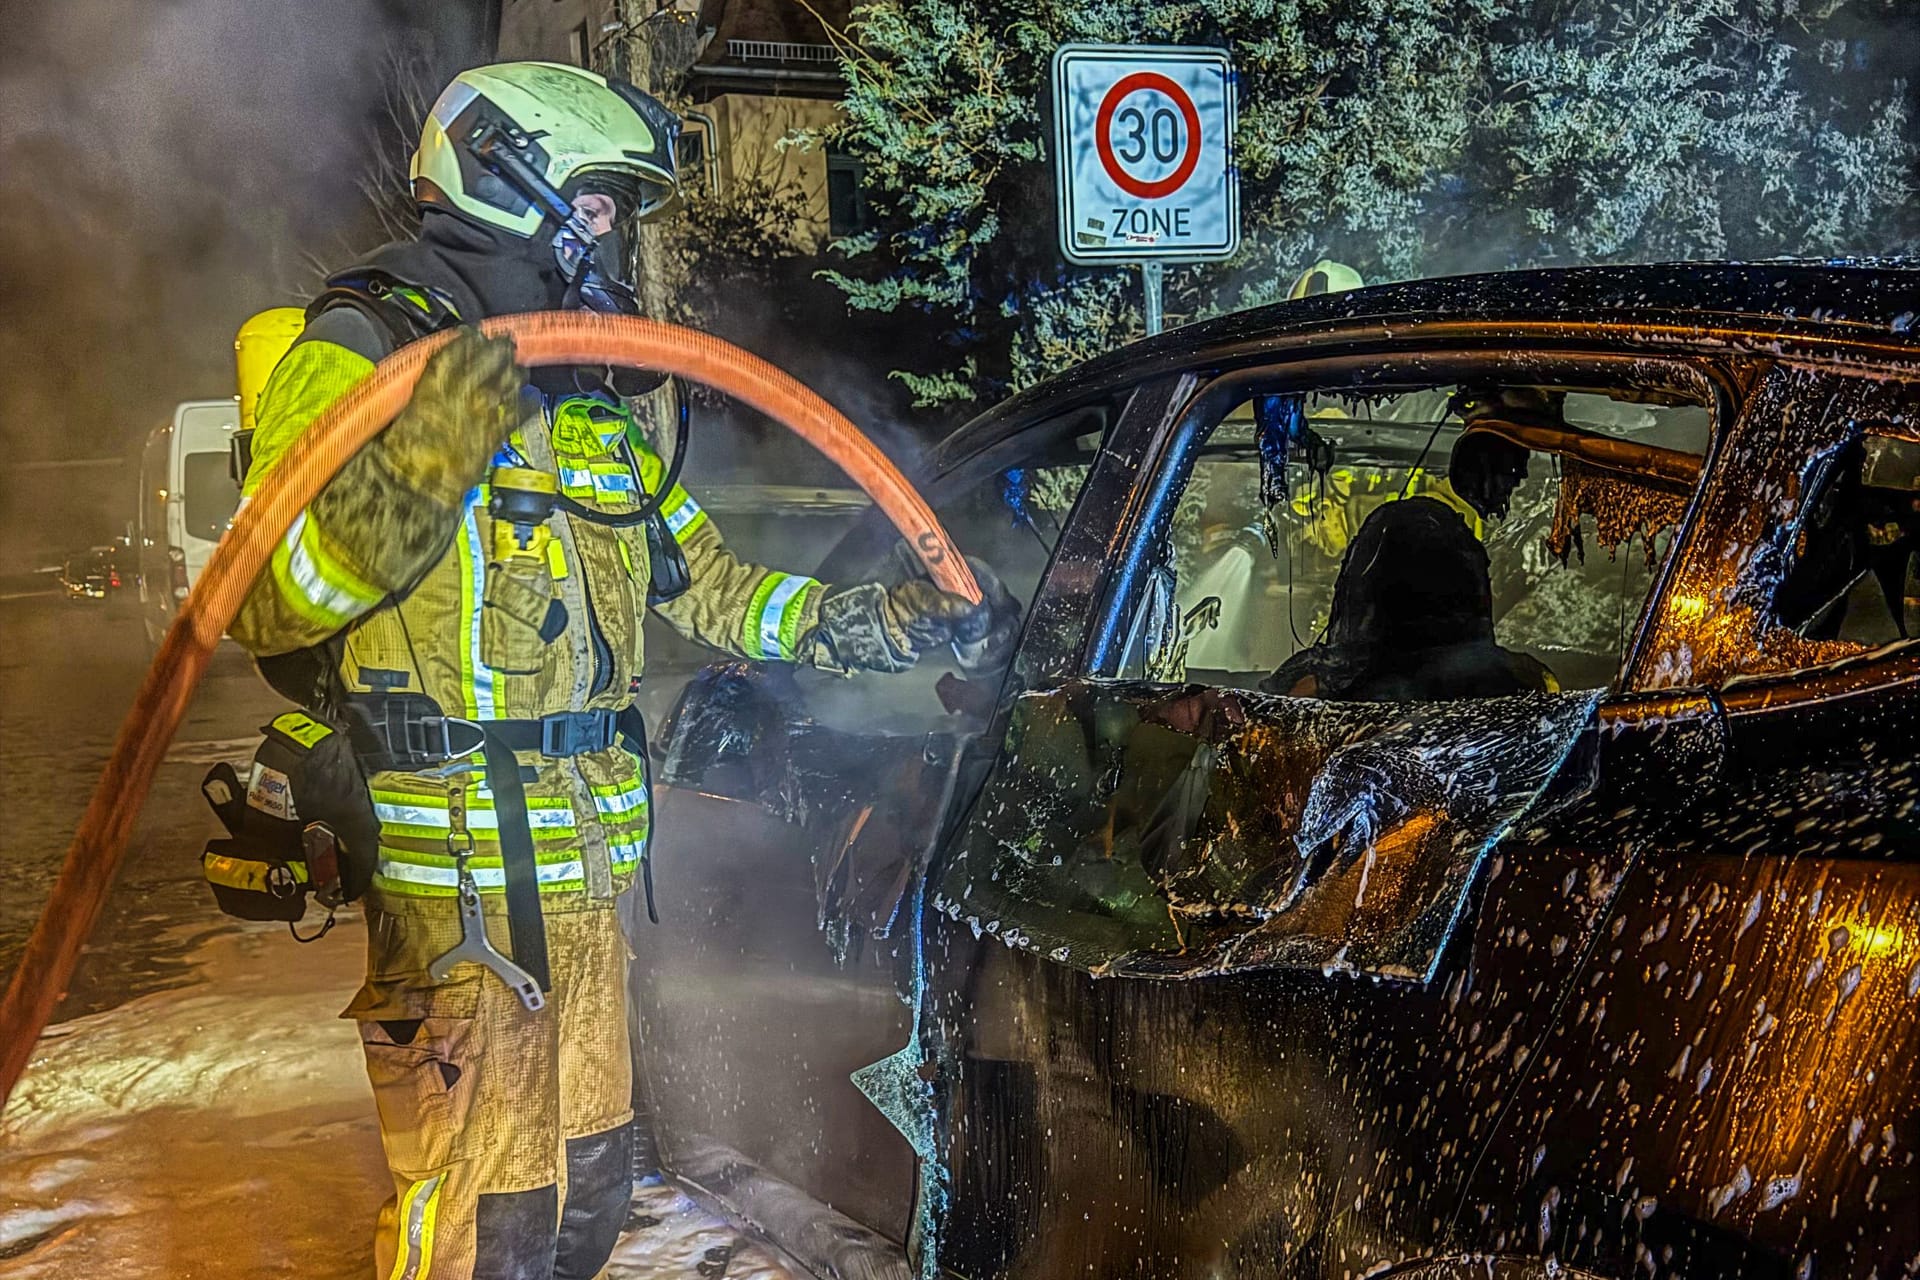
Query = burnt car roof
x=1853 y=300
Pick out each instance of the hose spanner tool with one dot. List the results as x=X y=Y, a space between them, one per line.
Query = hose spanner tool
x=474 y=946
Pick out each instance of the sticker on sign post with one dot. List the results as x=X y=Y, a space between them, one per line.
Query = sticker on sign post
x=1143 y=153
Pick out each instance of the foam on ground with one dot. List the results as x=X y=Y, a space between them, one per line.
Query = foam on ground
x=226 y=1129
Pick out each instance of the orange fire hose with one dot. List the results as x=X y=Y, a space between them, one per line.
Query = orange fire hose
x=546 y=338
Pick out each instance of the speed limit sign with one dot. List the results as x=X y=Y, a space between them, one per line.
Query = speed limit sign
x=1144 y=153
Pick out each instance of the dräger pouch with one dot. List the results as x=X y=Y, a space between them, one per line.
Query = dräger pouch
x=302 y=825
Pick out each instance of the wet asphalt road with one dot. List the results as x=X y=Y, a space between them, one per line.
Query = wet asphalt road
x=68 y=672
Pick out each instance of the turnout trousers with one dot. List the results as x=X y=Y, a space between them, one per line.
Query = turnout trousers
x=508 y=1133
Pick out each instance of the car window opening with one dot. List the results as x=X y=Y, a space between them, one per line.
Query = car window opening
x=1451 y=542
x=1852 y=582
x=1013 y=516
x=1006 y=508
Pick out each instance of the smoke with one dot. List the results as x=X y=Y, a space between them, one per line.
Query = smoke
x=167 y=168
x=778 y=311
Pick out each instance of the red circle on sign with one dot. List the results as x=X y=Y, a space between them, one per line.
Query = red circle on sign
x=1103 y=130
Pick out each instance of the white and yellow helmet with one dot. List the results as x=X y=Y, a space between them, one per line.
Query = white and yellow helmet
x=577 y=126
x=1325 y=276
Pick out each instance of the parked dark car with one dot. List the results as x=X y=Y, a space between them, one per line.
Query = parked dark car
x=93 y=574
x=1145 y=971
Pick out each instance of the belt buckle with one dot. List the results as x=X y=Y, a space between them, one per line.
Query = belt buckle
x=573 y=733
x=446 y=737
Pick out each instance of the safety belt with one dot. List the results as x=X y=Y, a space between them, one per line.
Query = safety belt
x=526 y=926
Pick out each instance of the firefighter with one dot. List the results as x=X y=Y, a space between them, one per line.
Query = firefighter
x=465 y=597
x=1411 y=620
x=1324 y=276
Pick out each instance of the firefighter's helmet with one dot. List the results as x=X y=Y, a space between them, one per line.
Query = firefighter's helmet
x=575 y=129
x=1325 y=276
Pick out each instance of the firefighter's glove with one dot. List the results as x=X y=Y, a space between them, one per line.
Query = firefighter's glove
x=983 y=641
x=463 y=408
x=873 y=627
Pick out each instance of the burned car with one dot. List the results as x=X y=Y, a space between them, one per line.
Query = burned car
x=1451 y=812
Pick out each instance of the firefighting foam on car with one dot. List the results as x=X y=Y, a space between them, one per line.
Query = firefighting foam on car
x=1388 y=772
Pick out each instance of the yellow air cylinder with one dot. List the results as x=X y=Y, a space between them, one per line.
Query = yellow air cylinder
x=257 y=348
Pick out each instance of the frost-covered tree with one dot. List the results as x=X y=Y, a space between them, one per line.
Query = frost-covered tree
x=1407 y=137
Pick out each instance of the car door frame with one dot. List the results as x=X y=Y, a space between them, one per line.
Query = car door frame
x=1085 y=603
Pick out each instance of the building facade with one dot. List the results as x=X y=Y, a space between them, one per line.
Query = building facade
x=756 y=80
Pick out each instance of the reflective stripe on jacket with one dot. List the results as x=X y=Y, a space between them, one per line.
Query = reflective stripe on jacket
x=469 y=631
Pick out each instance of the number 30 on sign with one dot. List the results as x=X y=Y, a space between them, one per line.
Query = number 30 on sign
x=1144 y=153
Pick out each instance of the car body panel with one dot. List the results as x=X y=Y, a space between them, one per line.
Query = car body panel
x=188 y=495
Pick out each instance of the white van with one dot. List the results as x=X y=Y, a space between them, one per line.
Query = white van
x=187 y=497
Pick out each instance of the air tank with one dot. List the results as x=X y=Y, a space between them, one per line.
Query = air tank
x=257 y=348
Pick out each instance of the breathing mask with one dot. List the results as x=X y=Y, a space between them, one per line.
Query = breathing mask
x=592 y=264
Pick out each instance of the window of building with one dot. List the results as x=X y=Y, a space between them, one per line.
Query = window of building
x=693 y=152
x=846 y=195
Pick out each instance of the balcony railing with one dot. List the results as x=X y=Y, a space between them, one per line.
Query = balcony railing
x=779 y=51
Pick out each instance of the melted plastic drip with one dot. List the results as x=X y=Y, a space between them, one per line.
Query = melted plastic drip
x=1621 y=507
x=902 y=1086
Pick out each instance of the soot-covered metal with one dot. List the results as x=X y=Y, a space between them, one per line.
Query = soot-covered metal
x=1138 y=831
x=1200 y=981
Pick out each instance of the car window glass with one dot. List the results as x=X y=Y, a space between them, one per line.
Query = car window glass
x=1567 y=565
x=211 y=495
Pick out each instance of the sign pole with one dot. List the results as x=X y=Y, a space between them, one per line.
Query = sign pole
x=1153 y=275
